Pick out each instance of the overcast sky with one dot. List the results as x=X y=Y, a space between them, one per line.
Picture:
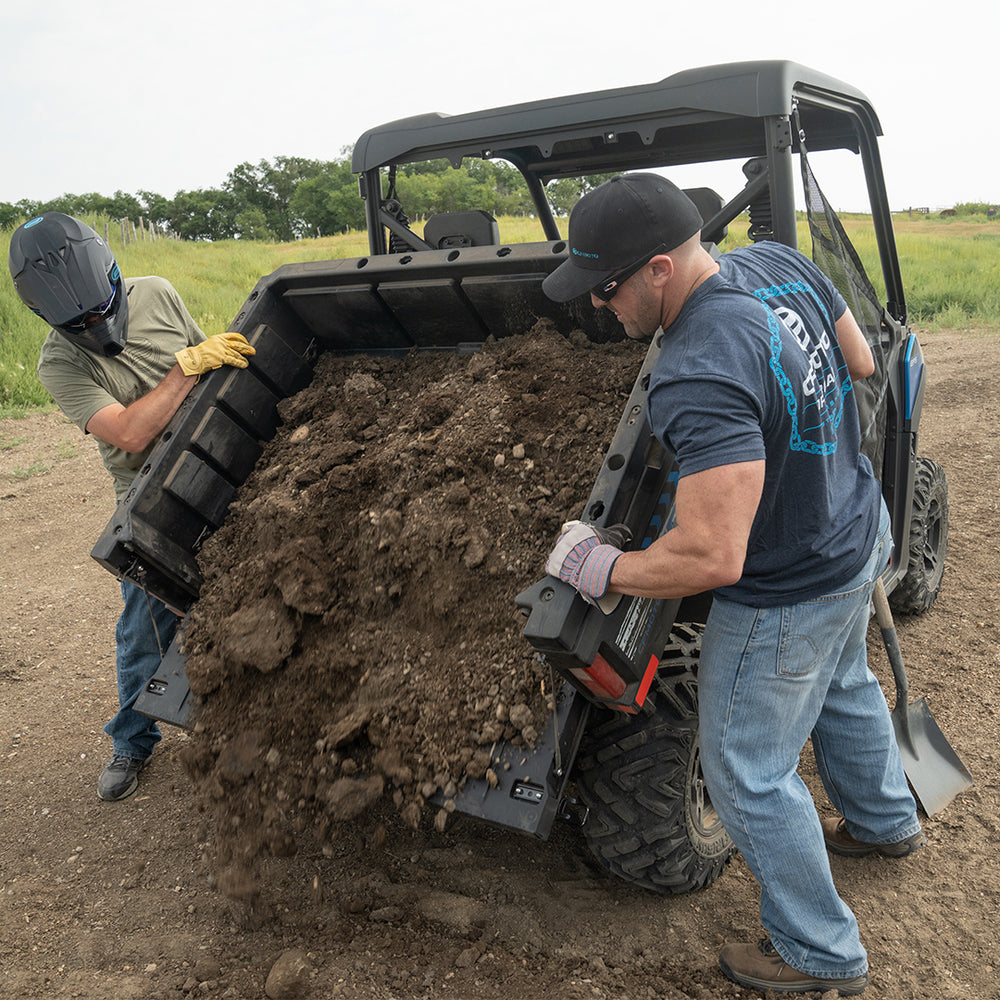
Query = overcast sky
x=171 y=96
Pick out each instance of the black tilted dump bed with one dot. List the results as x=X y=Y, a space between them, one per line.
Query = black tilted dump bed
x=434 y=300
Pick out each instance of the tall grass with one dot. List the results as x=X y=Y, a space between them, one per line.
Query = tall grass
x=213 y=279
x=951 y=270
x=958 y=274
x=951 y=275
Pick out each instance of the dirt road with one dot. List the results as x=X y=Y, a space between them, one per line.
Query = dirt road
x=102 y=900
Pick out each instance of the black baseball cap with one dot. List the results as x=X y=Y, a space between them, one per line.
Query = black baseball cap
x=611 y=227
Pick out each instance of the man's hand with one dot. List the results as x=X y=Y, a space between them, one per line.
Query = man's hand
x=584 y=556
x=218 y=350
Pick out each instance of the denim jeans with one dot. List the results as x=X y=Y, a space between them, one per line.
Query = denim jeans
x=144 y=631
x=769 y=679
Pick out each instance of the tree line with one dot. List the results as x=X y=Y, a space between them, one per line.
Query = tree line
x=289 y=198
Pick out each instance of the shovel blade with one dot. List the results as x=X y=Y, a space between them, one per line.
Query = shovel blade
x=933 y=768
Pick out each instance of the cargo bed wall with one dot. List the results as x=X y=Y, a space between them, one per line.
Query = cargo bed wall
x=392 y=304
x=431 y=299
x=182 y=493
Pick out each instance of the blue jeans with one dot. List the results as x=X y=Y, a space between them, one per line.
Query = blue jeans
x=769 y=679
x=144 y=631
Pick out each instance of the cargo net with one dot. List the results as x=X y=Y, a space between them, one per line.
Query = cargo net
x=836 y=257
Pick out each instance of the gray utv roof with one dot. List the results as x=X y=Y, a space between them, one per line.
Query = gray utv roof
x=675 y=120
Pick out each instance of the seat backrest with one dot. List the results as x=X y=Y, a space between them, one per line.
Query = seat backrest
x=475 y=228
x=708 y=204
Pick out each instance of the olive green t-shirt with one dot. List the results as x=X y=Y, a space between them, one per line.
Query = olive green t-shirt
x=82 y=382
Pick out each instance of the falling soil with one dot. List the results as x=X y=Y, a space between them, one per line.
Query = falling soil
x=356 y=640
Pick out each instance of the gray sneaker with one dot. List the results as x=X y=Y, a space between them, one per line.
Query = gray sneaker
x=120 y=778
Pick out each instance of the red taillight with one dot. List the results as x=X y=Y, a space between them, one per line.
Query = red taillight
x=601 y=679
x=608 y=688
x=647 y=680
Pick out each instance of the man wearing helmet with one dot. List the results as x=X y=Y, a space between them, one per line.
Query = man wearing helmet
x=121 y=357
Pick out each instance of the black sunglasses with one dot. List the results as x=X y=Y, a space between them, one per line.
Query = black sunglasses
x=608 y=289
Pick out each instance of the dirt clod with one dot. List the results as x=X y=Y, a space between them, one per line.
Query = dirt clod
x=289 y=976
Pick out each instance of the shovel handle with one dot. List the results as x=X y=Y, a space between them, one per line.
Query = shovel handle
x=884 y=617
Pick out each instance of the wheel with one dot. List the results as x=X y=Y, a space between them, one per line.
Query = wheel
x=928 y=541
x=650 y=820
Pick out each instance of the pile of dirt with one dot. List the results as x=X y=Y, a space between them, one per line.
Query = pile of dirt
x=356 y=640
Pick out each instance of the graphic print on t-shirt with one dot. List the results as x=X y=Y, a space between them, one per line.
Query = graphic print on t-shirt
x=816 y=401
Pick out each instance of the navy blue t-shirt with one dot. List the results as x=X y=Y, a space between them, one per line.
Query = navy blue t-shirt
x=751 y=369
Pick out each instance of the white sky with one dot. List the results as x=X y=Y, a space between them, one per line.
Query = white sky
x=170 y=96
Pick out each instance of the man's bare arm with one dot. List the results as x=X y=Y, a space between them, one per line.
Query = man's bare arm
x=707 y=548
x=134 y=427
x=854 y=347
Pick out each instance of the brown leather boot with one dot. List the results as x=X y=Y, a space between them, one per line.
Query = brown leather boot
x=839 y=841
x=760 y=967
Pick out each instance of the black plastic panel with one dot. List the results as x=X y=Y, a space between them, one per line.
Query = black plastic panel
x=226 y=444
x=341 y=315
x=431 y=299
x=167 y=696
x=635 y=486
x=531 y=784
x=435 y=311
x=182 y=492
x=195 y=483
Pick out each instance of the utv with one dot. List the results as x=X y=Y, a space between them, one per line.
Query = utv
x=621 y=752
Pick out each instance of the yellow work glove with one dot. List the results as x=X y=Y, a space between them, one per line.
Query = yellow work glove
x=218 y=350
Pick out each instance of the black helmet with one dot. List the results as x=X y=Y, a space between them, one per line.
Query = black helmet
x=66 y=273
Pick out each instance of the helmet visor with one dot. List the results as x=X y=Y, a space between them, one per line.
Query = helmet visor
x=104 y=328
x=99 y=313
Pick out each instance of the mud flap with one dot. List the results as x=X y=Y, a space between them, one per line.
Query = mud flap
x=167 y=696
x=528 y=786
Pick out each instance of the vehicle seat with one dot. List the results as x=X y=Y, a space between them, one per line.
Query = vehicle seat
x=462 y=229
x=708 y=204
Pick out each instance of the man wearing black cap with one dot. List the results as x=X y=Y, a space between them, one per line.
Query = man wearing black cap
x=779 y=515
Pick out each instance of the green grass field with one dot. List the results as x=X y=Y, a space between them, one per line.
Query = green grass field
x=951 y=274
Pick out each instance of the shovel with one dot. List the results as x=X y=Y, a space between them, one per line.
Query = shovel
x=934 y=770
